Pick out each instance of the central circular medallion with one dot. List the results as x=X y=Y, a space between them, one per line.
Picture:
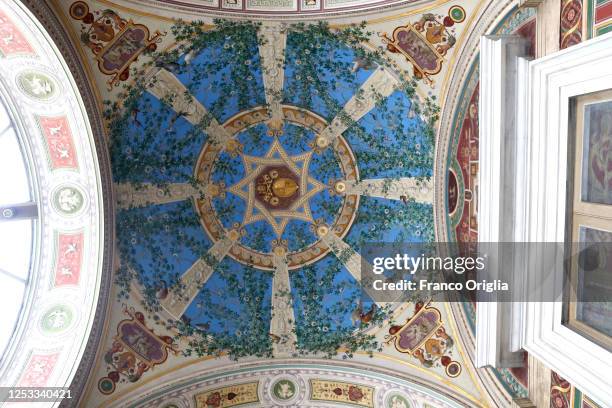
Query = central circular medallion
x=279 y=187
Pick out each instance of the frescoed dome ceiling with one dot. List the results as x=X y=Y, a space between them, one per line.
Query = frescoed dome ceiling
x=246 y=190
x=252 y=160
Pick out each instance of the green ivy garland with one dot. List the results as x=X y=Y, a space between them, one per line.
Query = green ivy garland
x=136 y=158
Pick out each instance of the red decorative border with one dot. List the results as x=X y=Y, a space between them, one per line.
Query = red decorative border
x=603 y=12
x=38 y=370
x=69 y=258
x=12 y=40
x=571 y=23
x=59 y=141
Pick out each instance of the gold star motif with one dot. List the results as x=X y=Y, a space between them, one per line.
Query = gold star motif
x=299 y=209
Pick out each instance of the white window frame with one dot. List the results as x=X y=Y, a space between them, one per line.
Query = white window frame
x=553 y=81
x=525 y=136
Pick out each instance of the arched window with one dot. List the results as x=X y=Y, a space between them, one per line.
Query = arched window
x=51 y=209
x=17 y=211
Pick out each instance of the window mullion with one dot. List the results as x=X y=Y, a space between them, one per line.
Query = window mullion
x=21 y=211
x=12 y=276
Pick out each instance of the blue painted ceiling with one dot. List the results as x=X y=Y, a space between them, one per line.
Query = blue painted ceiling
x=152 y=144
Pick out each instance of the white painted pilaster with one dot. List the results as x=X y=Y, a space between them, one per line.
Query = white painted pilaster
x=282 y=324
x=405 y=189
x=128 y=196
x=272 y=52
x=498 y=322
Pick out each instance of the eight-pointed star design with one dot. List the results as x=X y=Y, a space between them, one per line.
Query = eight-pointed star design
x=255 y=169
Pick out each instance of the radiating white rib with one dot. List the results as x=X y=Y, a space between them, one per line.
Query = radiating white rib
x=344 y=252
x=164 y=85
x=405 y=189
x=381 y=83
x=282 y=325
x=273 y=38
x=177 y=301
x=354 y=263
x=128 y=196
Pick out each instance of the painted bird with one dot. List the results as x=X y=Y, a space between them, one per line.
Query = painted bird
x=361 y=63
x=134 y=113
x=190 y=56
x=359 y=316
x=169 y=66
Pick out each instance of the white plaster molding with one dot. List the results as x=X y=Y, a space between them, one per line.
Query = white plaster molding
x=321 y=10
x=518 y=308
x=554 y=80
x=188 y=386
x=499 y=97
x=489 y=17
